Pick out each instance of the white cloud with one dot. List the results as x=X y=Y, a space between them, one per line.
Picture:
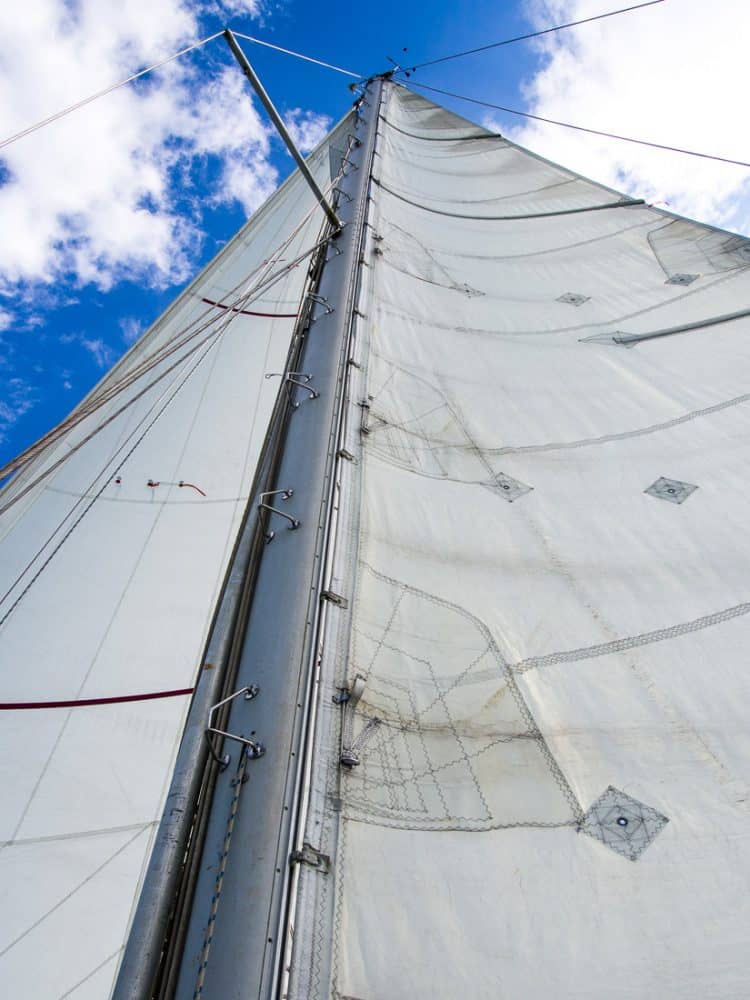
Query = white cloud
x=306 y=128
x=101 y=352
x=131 y=329
x=95 y=195
x=672 y=73
x=19 y=398
x=240 y=8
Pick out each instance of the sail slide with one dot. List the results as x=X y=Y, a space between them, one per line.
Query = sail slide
x=115 y=537
x=531 y=767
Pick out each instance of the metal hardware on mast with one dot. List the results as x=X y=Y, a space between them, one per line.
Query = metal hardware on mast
x=277 y=647
x=268 y=104
x=150 y=959
x=170 y=905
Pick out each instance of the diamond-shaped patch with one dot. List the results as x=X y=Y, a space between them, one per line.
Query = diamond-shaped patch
x=681 y=279
x=573 y=298
x=671 y=489
x=508 y=488
x=623 y=823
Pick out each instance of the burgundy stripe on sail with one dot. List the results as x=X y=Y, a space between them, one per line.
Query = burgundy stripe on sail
x=249 y=312
x=82 y=702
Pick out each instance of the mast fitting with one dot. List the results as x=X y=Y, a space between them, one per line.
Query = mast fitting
x=253 y=748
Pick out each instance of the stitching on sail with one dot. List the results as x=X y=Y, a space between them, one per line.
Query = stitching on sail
x=396 y=309
x=631 y=642
x=381 y=789
x=435 y=446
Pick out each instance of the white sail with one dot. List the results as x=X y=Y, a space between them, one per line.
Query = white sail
x=115 y=538
x=544 y=784
x=527 y=749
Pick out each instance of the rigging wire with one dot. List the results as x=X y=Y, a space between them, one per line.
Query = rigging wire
x=317 y=62
x=102 y=93
x=97 y=402
x=531 y=34
x=581 y=128
x=108 y=478
x=265 y=279
x=157 y=65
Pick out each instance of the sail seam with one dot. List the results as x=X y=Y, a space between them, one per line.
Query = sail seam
x=631 y=642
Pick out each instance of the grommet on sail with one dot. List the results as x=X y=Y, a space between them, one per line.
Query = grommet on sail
x=503 y=685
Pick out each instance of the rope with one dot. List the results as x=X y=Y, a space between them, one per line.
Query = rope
x=219 y=885
x=532 y=34
x=113 y=389
x=15 y=706
x=229 y=317
x=147 y=365
x=157 y=65
x=103 y=93
x=94 y=498
x=298 y=55
x=581 y=128
x=250 y=312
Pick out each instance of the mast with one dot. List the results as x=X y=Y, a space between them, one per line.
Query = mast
x=233 y=947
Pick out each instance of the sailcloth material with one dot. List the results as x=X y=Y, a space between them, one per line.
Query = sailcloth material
x=546 y=557
x=529 y=766
x=115 y=539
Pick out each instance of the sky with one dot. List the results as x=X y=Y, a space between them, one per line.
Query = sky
x=107 y=213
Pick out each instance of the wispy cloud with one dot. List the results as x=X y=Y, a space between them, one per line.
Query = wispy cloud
x=19 y=396
x=671 y=74
x=101 y=352
x=306 y=128
x=131 y=329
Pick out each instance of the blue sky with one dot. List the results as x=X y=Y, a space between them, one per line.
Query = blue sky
x=107 y=213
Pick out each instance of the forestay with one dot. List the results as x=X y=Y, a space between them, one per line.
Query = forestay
x=544 y=548
x=115 y=540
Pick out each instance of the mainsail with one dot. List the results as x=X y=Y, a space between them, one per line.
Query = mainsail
x=509 y=759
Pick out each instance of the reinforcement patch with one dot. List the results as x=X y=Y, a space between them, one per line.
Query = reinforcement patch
x=622 y=823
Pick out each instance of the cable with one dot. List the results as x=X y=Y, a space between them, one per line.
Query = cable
x=163 y=62
x=289 y=52
x=581 y=128
x=102 y=93
x=266 y=278
x=532 y=34
x=264 y=282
